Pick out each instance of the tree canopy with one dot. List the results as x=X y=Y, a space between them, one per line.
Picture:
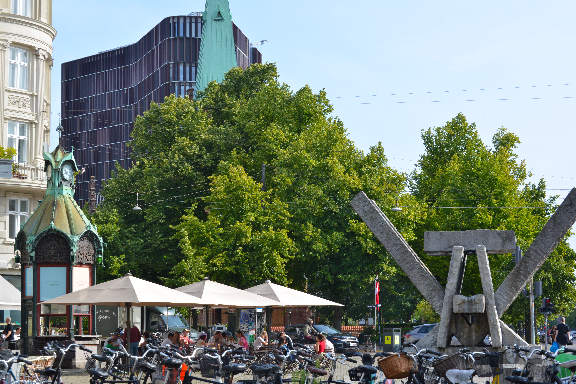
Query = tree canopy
x=253 y=181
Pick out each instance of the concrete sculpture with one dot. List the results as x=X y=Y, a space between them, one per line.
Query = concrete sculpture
x=469 y=319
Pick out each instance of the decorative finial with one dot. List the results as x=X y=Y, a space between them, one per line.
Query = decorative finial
x=59 y=129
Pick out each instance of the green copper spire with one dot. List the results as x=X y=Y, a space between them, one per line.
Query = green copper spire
x=217 y=49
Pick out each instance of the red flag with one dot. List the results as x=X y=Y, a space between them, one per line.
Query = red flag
x=377 y=294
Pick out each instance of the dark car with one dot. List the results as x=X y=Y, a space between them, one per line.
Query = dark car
x=341 y=341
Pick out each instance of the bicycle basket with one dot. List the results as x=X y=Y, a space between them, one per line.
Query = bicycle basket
x=488 y=366
x=209 y=366
x=354 y=374
x=397 y=366
x=457 y=361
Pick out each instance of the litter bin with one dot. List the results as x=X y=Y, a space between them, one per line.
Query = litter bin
x=391 y=339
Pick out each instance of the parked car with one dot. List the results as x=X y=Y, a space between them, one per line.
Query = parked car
x=418 y=332
x=341 y=341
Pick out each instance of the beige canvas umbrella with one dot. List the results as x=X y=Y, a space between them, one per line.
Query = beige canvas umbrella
x=10 y=297
x=128 y=291
x=220 y=295
x=288 y=297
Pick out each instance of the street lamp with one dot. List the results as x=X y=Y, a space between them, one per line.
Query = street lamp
x=137 y=208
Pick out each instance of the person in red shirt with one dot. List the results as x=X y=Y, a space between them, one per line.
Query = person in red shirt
x=320 y=345
x=134 y=338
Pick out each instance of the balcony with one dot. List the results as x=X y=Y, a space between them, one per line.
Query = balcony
x=24 y=178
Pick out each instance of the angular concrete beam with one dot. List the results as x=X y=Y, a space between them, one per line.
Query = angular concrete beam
x=488 y=288
x=444 y=335
x=496 y=242
x=543 y=245
x=509 y=337
x=399 y=249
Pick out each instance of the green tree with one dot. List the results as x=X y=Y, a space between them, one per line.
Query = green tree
x=467 y=185
x=197 y=169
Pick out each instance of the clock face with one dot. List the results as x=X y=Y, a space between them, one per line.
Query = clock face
x=67 y=172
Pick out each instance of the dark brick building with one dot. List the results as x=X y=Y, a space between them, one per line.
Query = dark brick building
x=102 y=94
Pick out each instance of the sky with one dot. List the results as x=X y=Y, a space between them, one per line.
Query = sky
x=391 y=68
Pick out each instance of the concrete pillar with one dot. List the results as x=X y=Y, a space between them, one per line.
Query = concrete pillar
x=488 y=288
x=456 y=261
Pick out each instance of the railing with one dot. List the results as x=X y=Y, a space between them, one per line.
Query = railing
x=29 y=172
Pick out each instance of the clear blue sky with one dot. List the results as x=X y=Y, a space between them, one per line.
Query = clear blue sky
x=461 y=52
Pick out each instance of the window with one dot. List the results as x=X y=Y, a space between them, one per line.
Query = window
x=18 y=139
x=18 y=68
x=17 y=215
x=22 y=7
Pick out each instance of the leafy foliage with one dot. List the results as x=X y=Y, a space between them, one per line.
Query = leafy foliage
x=253 y=181
x=198 y=170
x=486 y=188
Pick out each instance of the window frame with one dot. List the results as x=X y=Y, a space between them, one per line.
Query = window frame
x=18 y=213
x=16 y=66
x=17 y=138
x=21 y=7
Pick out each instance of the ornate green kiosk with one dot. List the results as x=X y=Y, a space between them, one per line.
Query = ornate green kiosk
x=58 y=249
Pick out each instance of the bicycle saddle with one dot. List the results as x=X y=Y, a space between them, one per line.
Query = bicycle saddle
x=264 y=369
x=101 y=358
x=146 y=366
x=518 y=379
x=460 y=375
x=367 y=369
x=172 y=363
x=46 y=371
x=98 y=373
x=317 y=371
x=234 y=368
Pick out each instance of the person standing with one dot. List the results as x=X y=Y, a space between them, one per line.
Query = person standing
x=562 y=332
x=134 y=338
x=8 y=333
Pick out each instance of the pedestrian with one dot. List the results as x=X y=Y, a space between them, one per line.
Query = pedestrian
x=135 y=337
x=309 y=331
x=201 y=342
x=217 y=340
x=261 y=340
x=115 y=340
x=241 y=339
x=286 y=340
x=320 y=345
x=562 y=332
x=8 y=333
x=185 y=338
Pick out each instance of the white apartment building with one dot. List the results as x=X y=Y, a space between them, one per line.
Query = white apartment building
x=26 y=36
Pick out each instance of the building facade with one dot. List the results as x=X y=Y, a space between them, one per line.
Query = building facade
x=102 y=94
x=26 y=36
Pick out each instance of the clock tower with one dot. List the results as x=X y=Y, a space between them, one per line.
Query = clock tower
x=58 y=248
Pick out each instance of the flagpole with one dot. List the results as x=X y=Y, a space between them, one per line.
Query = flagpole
x=375 y=310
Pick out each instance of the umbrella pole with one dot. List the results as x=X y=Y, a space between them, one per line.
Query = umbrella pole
x=207 y=316
x=128 y=324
